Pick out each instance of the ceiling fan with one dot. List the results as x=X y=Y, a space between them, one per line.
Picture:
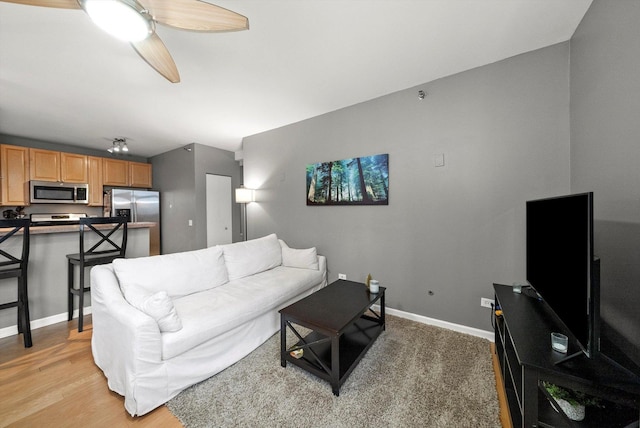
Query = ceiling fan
x=120 y=17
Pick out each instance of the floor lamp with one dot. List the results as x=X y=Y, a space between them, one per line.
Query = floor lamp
x=243 y=197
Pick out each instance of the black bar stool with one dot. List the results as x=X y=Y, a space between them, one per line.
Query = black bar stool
x=104 y=251
x=13 y=267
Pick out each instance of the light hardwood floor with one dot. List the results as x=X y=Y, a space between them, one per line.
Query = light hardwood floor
x=505 y=417
x=55 y=383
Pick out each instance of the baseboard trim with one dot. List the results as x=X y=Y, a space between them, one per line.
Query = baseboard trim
x=489 y=335
x=42 y=322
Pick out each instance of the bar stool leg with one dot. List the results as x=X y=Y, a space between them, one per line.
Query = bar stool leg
x=70 y=286
x=81 y=299
x=23 y=310
x=20 y=315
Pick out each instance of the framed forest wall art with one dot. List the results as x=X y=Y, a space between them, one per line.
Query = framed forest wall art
x=356 y=181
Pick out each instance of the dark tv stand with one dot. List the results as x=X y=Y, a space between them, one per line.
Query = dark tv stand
x=570 y=357
x=523 y=348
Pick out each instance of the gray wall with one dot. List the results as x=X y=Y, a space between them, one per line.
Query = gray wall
x=504 y=131
x=180 y=175
x=210 y=160
x=605 y=152
x=173 y=176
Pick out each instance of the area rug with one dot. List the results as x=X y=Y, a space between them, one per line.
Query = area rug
x=414 y=375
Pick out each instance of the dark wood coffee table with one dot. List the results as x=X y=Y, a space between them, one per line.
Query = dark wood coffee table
x=343 y=324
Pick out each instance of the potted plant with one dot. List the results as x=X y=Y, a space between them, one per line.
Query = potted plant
x=571 y=402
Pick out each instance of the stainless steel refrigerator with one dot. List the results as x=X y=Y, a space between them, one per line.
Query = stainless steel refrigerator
x=139 y=206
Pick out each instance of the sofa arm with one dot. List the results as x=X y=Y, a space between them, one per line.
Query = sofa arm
x=126 y=343
x=322 y=267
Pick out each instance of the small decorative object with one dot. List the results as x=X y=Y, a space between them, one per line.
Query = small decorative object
x=517 y=288
x=297 y=354
x=368 y=280
x=572 y=403
x=374 y=286
x=559 y=342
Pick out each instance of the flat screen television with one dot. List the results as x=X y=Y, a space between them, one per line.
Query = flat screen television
x=561 y=265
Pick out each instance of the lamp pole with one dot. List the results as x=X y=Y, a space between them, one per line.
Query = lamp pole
x=244 y=221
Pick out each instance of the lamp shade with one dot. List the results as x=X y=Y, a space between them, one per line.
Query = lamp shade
x=244 y=195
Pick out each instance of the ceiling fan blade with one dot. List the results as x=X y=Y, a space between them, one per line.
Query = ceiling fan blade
x=62 y=4
x=156 y=54
x=195 y=15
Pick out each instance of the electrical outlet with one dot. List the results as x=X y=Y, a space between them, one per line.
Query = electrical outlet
x=486 y=303
x=342 y=276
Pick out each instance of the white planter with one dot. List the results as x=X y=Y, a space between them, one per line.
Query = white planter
x=573 y=412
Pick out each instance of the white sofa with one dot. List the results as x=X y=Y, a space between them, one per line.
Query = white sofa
x=163 y=323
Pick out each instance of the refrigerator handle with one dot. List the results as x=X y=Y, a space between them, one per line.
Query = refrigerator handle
x=134 y=206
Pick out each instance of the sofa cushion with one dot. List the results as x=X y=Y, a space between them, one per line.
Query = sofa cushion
x=157 y=305
x=213 y=312
x=178 y=274
x=251 y=257
x=305 y=259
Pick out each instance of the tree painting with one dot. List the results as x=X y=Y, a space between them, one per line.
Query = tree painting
x=357 y=181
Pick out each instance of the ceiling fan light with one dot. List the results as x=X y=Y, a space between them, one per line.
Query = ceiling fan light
x=127 y=20
x=124 y=147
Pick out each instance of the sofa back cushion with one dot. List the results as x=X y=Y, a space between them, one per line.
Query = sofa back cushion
x=251 y=257
x=178 y=274
x=304 y=259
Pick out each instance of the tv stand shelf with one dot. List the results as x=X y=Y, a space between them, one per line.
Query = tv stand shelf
x=523 y=348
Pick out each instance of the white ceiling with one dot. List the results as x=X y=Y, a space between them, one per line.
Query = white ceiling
x=65 y=81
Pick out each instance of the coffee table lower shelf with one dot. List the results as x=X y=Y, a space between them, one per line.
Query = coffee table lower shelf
x=353 y=345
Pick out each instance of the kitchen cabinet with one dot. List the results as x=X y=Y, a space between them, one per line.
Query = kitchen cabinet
x=74 y=168
x=44 y=165
x=115 y=172
x=49 y=165
x=140 y=174
x=95 y=181
x=14 y=175
x=21 y=164
x=126 y=173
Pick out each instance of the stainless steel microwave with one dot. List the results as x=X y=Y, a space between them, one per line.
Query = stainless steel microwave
x=51 y=192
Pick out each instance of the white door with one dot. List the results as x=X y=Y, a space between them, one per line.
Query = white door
x=218 y=210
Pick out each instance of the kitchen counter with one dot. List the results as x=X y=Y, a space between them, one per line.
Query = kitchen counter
x=37 y=230
x=63 y=228
x=47 y=273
